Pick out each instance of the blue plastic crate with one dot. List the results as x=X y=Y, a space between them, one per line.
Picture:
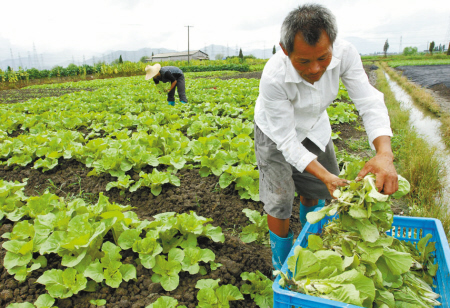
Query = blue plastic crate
x=410 y=229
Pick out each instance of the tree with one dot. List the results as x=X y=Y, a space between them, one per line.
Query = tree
x=431 y=47
x=120 y=59
x=385 y=48
x=448 y=50
x=143 y=59
x=241 y=55
x=409 y=51
x=274 y=51
x=219 y=56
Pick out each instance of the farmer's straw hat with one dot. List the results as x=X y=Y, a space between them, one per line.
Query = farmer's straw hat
x=152 y=70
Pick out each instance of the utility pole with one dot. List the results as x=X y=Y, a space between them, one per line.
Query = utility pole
x=400 y=49
x=188 y=41
x=12 y=59
x=29 y=60
x=447 y=35
x=36 y=60
x=20 y=61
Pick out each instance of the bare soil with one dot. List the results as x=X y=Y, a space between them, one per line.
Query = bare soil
x=202 y=195
x=435 y=79
x=427 y=75
x=22 y=95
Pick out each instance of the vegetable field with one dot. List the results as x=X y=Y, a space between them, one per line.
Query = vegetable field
x=112 y=197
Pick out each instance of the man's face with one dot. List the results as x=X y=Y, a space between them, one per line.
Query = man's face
x=311 y=62
x=156 y=76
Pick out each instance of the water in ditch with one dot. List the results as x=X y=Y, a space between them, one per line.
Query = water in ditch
x=428 y=127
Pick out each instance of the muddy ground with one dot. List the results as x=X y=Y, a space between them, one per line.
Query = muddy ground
x=435 y=79
x=22 y=95
x=427 y=75
x=202 y=195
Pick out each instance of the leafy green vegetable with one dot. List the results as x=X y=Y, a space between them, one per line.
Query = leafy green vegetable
x=123 y=182
x=193 y=255
x=354 y=261
x=155 y=180
x=166 y=271
x=11 y=200
x=109 y=268
x=340 y=112
x=163 y=87
x=62 y=284
x=260 y=288
x=165 y=302
x=44 y=301
x=98 y=302
x=21 y=305
x=258 y=231
x=211 y=295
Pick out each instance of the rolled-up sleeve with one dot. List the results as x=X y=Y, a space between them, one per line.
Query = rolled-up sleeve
x=368 y=100
x=279 y=114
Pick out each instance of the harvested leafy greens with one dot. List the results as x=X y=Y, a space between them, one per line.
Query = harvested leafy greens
x=354 y=261
x=163 y=87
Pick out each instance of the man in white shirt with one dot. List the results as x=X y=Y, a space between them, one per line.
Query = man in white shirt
x=293 y=142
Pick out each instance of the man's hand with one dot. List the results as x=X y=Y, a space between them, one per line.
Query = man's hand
x=382 y=166
x=329 y=179
x=333 y=183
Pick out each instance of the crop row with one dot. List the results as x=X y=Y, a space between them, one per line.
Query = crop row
x=126 y=125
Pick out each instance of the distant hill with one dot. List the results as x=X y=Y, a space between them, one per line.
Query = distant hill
x=49 y=60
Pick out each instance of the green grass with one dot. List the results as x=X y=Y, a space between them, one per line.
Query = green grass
x=397 y=63
x=419 y=57
x=416 y=161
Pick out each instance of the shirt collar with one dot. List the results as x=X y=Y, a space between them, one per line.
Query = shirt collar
x=293 y=76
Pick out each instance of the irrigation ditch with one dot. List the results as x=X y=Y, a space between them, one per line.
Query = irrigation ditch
x=428 y=127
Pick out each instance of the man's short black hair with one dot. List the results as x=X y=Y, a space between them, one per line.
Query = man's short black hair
x=310 y=20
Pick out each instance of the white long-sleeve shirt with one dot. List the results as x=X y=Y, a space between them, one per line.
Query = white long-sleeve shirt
x=290 y=109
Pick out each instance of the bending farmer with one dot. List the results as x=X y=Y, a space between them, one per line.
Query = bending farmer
x=293 y=142
x=170 y=74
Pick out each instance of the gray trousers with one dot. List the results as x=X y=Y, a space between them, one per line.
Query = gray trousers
x=279 y=180
x=181 y=89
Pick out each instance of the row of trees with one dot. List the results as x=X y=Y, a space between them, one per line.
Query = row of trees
x=409 y=51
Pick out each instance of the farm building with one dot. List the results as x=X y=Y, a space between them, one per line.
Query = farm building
x=179 y=56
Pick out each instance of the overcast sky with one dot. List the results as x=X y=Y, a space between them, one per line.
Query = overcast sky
x=97 y=26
